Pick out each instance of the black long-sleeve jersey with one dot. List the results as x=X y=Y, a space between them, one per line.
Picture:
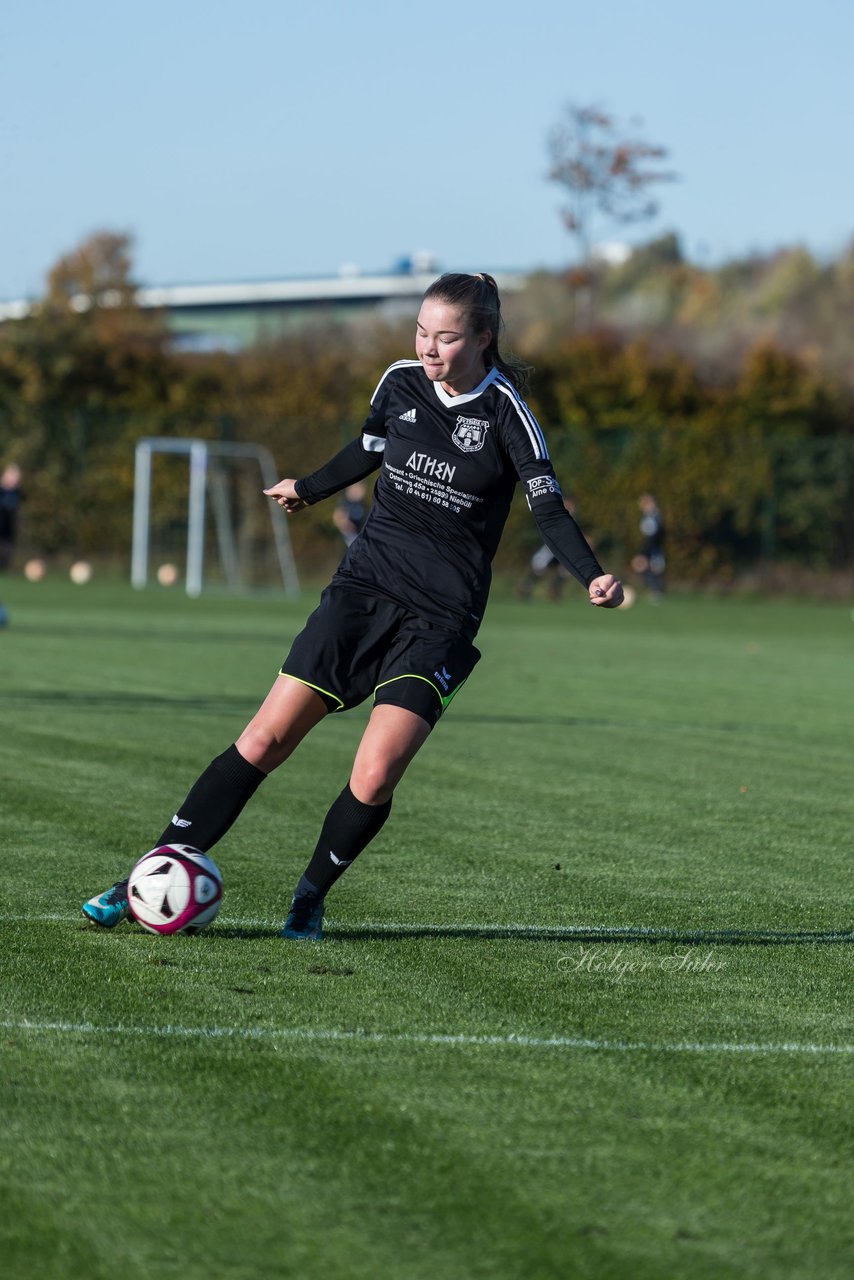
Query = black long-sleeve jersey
x=450 y=465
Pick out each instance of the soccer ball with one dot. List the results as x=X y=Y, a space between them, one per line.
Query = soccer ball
x=175 y=889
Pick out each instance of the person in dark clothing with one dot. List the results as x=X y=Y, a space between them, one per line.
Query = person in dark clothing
x=351 y=511
x=544 y=566
x=650 y=561
x=451 y=437
x=11 y=498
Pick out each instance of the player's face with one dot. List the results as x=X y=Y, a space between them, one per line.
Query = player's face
x=448 y=350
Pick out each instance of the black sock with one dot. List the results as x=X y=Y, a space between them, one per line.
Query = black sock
x=214 y=802
x=348 y=828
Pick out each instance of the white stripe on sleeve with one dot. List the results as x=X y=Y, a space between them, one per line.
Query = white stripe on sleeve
x=535 y=435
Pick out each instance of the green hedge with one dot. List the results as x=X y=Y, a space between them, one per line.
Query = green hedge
x=747 y=468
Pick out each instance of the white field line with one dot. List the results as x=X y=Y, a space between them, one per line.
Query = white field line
x=560 y=931
x=308 y=1034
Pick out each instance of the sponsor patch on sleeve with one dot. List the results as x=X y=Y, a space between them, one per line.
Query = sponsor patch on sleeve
x=541 y=487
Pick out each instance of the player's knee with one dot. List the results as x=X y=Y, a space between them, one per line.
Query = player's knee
x=261 y=746
x=374 y=781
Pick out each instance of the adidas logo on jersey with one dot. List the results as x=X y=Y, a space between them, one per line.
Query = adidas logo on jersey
x=409 y=416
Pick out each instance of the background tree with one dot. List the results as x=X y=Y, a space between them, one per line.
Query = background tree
x=95 y=273
x=605 y=172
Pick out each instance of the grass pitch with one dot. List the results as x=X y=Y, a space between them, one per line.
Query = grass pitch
x=584 y=1007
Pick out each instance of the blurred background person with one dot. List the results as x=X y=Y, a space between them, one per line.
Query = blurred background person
x=10 y=503
x=650 y=561
x=545 y=567
x=351 y=511
x=11 y=498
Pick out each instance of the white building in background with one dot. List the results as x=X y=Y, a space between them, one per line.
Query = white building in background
x=206 y=317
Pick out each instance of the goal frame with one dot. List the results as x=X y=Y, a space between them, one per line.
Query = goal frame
x=202 y=478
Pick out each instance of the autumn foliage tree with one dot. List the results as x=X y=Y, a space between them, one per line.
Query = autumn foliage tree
x=96 y=273
x=605 y=172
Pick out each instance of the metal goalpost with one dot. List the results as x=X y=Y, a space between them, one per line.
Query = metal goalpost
x=205 y=477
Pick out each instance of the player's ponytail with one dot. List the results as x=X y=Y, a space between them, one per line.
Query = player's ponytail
x=477 y=296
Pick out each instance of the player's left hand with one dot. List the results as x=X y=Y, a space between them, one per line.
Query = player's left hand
x=606 y=592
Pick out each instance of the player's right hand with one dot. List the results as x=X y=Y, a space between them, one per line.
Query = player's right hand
x=285 y=494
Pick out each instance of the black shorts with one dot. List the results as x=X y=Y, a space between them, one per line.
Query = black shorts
x=355 y=645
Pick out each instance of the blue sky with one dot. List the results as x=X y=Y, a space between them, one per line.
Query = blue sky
x=241 y=141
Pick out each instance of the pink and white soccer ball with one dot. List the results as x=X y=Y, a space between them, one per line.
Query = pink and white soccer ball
x=175 y=889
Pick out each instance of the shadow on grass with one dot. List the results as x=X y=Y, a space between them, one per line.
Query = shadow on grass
x=600 y=722
x=548 y=933
x=230 y=933
x=534 y=933
x=119 y=700
x=162 y=635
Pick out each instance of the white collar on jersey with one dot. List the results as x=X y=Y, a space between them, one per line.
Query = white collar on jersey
x=449 y=401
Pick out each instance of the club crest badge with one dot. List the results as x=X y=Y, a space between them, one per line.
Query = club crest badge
x=470 y=433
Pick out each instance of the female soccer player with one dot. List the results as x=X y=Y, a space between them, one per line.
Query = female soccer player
x=451 y=437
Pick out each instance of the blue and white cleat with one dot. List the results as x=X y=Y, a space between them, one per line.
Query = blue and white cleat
x=305 y=920
x=110 y=908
